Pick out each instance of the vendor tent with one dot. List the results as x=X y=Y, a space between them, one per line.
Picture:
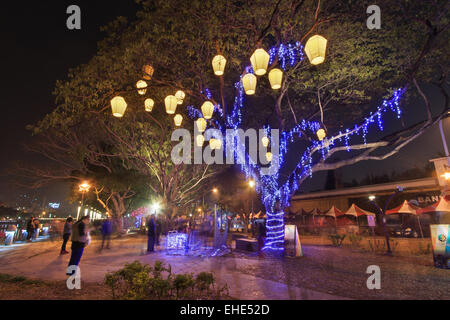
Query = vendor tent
x=442 y=206
x=407 y=208
x=356 y=211
x=333 y=212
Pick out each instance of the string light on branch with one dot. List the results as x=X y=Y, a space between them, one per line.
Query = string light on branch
x=316 y=49
x=119 y=106
x=208 y=110
x=201 y=125
x=171 y=103
x=141 y=85
x=249 y=82
x=260 y=62
x=219 y=62
x=275 y=78
x=200 y=140
x=321 y=134
x=180 y=95
x=178 y=120
x=149 y=104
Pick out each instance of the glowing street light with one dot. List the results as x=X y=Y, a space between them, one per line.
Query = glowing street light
x=215 y=190
x=251 y=184
x=446 y=176
x=372 y=198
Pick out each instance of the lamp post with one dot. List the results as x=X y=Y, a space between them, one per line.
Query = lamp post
x=83 y=188
x=382 y=213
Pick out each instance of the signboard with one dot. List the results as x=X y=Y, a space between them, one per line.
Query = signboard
x=292 y=241
x=54 y=205
x=371 y=221
x=440 y=238
x=441 y=166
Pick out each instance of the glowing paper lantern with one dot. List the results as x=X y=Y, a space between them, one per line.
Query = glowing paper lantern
x=149 y=104
x=260 y=62
x=321 y=134
x=275 y=78
x=171 y=104
x=119 y=106
x=200 y=140
x=249 y=82
x=178 y=120
x=201 y=125
x=208 y=110
x=219 y=62
x=215 y=144
x=142 y=87
x=269 y=156
x=265 y=142
x=316 y=49
x=180 y=95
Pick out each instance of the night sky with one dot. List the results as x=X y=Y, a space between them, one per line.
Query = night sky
x=38 y=49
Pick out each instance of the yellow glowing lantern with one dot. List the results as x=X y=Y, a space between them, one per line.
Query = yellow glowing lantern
x=275 y=78
x=316 y=49
x=269 y=156
x=180 y=95
x=171 y=103
x=219 y=62
x=208 y=110
x=201 y=125
x=200 y=140
x=260 y=62
x=119 y=106
x=149 y=104
x=265 y=142
x=321 y=134
x=148 y=71
x=178 y=120
x=141 y=85
x=249 y=82
x=215 y=144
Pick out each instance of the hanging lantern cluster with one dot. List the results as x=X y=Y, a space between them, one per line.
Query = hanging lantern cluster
x=178 y=120
x=180 y=95
x=321 y=134
x=200 y=140
x=316 y=49
x=208 y=110
x=141 y=85
x=219 y=62
x=171 y=103
x=149 y=104
x=249 y=82
x=201 y=125
x=119 y=106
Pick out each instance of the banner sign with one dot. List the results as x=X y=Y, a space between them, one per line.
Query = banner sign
x=292 y=241
x=440 y=238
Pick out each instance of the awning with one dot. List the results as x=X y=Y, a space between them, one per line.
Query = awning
x=442 y=205
x=333 y=212
x=356 y=211
x=406 y=207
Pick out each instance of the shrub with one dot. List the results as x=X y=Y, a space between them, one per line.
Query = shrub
x=355 y=239
x=142 y=282
x=337 y=239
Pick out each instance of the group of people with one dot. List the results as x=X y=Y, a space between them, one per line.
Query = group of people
x=32 y=228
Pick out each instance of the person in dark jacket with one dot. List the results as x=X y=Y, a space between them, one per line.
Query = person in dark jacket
x=107 y=228
x=30 y=229
x=151 y=234
x=80 y=236
x=66 y=234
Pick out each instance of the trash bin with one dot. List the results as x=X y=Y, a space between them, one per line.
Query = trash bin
x=440 y=238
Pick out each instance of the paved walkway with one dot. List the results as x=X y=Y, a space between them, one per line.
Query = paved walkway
x=41 y=261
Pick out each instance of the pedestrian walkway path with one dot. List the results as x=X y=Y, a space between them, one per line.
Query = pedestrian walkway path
x=41 y=261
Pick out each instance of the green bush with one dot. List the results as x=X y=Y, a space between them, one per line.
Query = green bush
x=142 y=282
x=337 y=239
x=355 y=239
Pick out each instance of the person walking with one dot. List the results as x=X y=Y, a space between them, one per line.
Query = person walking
x=67 y=232
x=157 y=230
x=80 y=237
x=30 y=229
x=151 y=234
x=107 y=228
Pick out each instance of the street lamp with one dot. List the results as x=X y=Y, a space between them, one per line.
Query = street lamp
x=83 y=188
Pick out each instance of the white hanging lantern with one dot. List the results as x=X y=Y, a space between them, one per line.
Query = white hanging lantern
x=316 y=49
x=265 y=142
x=149 y=104
x=219 y=62
x=178 y=120
x=200 y=140
x=321 y=134
x=208 y=110
x=141 y=85
x=119 y=106
x=275 y=78
x=180 y=95
x=269 y=156
x=260 y=62
x=201 y=125
x=215 y=144
x=249 y=82
x=171 y=104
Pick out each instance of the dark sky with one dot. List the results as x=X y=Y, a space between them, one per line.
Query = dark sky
x=38 y=49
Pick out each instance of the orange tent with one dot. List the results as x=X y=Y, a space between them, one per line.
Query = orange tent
x=442 y=206
x=356 y=211
x=333 y=212
x=406 y=207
